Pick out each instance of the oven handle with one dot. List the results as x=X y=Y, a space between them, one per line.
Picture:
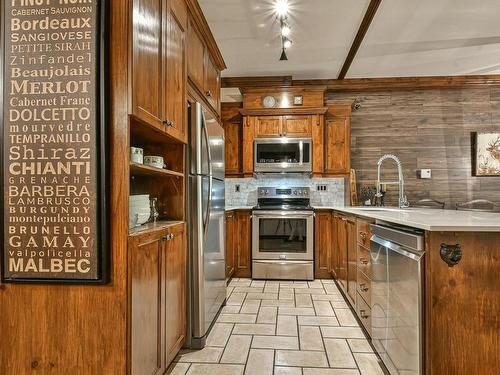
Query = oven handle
x=282 y=214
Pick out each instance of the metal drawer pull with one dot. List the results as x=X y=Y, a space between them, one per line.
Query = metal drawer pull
x=168 y=237
x=209 y=93
x=362 y=235
x=363 y=287
x=363 y=261
x=363 y=314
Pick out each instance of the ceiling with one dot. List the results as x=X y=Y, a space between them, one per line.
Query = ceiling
x=406 y=38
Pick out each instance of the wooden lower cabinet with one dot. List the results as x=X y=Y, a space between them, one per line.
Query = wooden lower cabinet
x=157 y=265
x=351 y=259
x=239 y=242
x=341 y=226
x=323 y=244
x=230 y=244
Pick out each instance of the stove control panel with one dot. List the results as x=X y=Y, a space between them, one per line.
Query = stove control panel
x=283 y=192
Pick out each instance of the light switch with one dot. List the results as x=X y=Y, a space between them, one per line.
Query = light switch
x=425 y=173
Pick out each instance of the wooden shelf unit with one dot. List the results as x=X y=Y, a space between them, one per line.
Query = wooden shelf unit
x=152 y=227
x=137 y=169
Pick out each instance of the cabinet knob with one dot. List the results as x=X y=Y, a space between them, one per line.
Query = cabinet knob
x=362 y=235
x=209 y=93
x=363 y=314
x=363 y=261
x=363 y=287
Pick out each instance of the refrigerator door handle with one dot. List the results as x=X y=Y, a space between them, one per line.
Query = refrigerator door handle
x=206 y=220
x=205 y=131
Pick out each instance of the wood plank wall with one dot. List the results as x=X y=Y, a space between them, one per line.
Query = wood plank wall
x=426 y=129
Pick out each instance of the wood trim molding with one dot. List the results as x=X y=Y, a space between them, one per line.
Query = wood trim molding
x=261 y=81
x=403 y=83
x=283 y=111
x=363 y=28
x=202 y=25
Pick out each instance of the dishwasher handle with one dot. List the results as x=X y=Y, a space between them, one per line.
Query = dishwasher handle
x=397 y=248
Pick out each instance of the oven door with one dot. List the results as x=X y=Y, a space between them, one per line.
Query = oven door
x=283 y=235
x=282 y=155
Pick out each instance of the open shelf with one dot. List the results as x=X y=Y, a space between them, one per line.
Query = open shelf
x=151 y=227
x=137 y=169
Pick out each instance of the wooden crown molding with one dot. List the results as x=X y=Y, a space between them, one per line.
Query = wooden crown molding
x=201 y=23
x=363 y=28
x=283 y=111
x=261 y=81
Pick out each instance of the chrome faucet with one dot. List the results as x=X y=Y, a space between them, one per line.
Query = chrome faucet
x=403 y=201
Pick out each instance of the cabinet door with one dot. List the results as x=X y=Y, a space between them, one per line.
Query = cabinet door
x=248 y=139
x=242 y=241
x=196 y=57
x=323 y=246
x=338 y=148
x=146 y=262
x=232 y=133
x=147 y=61
x=174 y=69
x=230 y=237
x=351 y=259
x=176 y=289
x=212 y=82
x=334 y=258
x=297 y=125
x=268 y=126
x=342 y=247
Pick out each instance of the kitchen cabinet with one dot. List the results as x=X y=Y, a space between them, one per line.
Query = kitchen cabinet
x=283 y=126
x=323 y=244
x=341 y=226
x=202 y=69
x=157 y=264
x=230 y=244
x=298 y=125
x=233 y=138
x=334 y=258
x=247 y=146
x=238 y=232
x=158 y=52
x=337 y=144
x=351 y=259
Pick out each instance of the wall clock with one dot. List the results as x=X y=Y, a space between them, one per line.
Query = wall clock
x=269 y=101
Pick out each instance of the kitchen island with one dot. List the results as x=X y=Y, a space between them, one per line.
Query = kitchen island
x=458 y=280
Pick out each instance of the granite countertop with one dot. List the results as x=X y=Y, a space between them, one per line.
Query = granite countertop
x=429 y=219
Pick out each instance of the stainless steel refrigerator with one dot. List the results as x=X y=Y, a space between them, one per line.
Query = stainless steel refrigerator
x=206 y=218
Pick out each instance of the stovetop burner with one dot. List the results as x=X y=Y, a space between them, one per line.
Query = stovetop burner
x=283 y=198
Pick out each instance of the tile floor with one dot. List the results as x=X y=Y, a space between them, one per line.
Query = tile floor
x=282 y=328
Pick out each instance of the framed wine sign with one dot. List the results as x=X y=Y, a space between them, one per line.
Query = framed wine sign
x=54 y=142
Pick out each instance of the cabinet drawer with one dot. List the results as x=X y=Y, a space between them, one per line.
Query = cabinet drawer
x=364 y=261
x=364 y=313
x=364 y=233
x=364 y=287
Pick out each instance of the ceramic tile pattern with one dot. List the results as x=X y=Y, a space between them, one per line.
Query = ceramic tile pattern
x=282 y=328
x=247 y=196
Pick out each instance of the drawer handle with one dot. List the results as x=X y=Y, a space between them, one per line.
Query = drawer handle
x=363 y=261
x=363 y=314
x=209 y=93
x=168 y=237
x=363 y=287
x=362 y=235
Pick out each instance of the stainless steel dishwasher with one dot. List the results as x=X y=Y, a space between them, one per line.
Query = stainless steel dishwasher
x=396 y=297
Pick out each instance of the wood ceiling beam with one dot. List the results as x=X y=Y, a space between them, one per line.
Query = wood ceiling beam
x=261 y=81
x=403 y=83
x=363 y=28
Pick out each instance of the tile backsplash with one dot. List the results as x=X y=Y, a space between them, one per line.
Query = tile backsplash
x=247 y=195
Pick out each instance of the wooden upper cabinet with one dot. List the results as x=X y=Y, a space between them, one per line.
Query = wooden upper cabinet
x=196 y=56
x=147 y=61
x=232 y=122
x=248 y=139
x=268 y=126
x=202 y=70
x=298 y=125
x=174 y=72
x=212 y=82
x=176 y=290
x=159 y=65
x=146 y=267
x=338 y=143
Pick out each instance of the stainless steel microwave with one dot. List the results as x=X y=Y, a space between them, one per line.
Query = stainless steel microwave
x=282 y=155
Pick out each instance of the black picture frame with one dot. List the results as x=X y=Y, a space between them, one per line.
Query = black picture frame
x=102 y=134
